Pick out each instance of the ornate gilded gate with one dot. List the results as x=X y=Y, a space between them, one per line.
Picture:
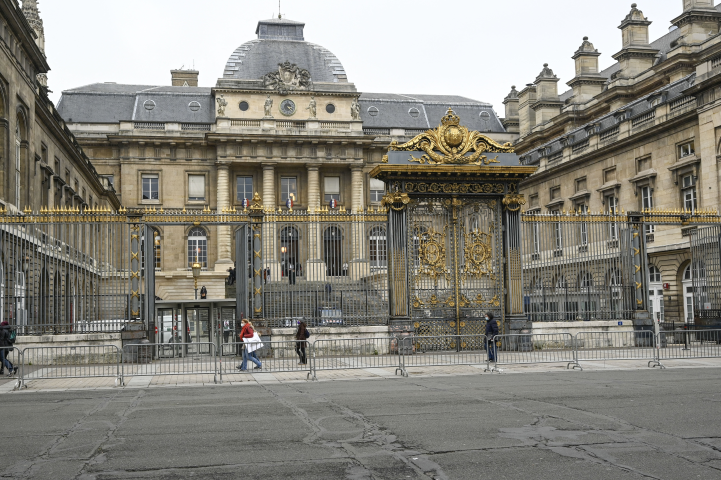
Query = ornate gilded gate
x=453 y=225
x=456 y=275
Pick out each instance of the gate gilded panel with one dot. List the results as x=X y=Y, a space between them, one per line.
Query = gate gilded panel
x=456 y=274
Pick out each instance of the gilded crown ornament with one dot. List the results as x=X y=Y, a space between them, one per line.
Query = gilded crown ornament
x=452 y=143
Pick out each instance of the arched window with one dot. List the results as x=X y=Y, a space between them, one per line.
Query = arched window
x=333 y=252
x=585 y=280
x=19 y=294
x=378 y=253
x=18 y=161
x=197 y=247
x=654 y=274
x=288 y=249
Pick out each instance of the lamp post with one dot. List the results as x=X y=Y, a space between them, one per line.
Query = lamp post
x=196 y=273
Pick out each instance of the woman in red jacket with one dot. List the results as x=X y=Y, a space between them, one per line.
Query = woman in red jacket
x=246 y=334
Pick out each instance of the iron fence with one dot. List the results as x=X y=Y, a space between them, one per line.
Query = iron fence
x=326 y=268
x=521 y=349
x=60 y=362
x=354 y=353
x=275 y=356
x=158 y=359
x=577 y=266
x=631 y=345
x=441 y=350
x=706 y=276
x=693 y=344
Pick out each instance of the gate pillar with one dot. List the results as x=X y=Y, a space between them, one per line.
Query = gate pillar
x=397 y=246
x=637 y=229
x=256 y=224
x=514 y=320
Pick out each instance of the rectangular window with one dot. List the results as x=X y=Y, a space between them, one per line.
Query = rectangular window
x=111 y=180
x=331 y=188
x=558 y=231
x=583 y=210
x=288 y=189
x=555 y=193
x=609 y=175
x=647 y=203
x=685 y=150
x=581 y=184
x=245 y=188
x=689 y=193
x=196 y=187
x=612 y=208
x=150 y=187
x=378 y=188
x=643 y=164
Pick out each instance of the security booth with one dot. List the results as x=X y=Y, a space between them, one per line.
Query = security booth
x=454 y=231
x=201 y=322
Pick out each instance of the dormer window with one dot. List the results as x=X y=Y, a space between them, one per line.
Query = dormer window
x=685 y=149
x=655 y=101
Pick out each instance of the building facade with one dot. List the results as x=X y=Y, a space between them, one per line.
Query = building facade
x=642 y=134
x=283 y=121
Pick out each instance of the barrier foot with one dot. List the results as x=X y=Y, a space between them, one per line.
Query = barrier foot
x=119 y=381
x=576 y=365
x=18 y=385
x=310 y=376
x=215 y=379
x=655 y=363
x=403 y=372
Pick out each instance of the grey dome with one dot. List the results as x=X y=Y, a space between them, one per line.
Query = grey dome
x=281 y=40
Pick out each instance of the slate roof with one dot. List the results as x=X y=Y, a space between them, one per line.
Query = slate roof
x=256 y=58
x=394 y=111
x=112 y=103
x=608 y=122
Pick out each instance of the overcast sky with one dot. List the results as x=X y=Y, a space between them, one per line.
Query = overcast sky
x=474 y=48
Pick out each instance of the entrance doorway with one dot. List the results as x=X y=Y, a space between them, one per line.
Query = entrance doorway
x=655 y=294
x=197 y=321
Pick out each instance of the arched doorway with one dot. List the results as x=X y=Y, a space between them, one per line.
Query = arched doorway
x=289 y=250
x=333 y=251
x=655 y=293
x=377 y=244
x=693 y=274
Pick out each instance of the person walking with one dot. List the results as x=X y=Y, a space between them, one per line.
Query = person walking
x=247 y=335
x=491 y=332
x=301 y=339
x=6 y=344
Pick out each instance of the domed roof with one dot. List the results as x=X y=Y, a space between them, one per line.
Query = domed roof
x=281 y=40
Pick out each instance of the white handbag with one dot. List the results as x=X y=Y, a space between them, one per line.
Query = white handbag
x=253 y=343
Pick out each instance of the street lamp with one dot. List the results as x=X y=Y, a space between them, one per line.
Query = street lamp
x=196 y=274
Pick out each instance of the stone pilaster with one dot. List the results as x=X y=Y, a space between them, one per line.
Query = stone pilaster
x=223 y=203
x=357 y=202
x=313 y=188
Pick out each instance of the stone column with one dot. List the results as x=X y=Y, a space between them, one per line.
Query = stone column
x=223 y=203
x=357 y=201
x=269 y=186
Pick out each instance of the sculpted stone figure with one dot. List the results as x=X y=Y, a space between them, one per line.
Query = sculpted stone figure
x=268 y=106
x=355 y=110
x=312 y=107
x=222 y=103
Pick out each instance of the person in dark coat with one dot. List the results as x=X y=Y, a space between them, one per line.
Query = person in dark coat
x=5 y=345
x=301 y=337
x=491 y=331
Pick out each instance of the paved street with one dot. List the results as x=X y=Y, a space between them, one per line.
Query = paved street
x=547 y=425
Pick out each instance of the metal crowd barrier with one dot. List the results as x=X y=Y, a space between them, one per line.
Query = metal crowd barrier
x=58 y=362
x=275 y=357
x=441 y=350
x=690 y=344
x=354 y=353
x=602 y=346
x=172 y=359
x=520 y=349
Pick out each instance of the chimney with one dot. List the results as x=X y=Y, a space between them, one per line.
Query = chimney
x=698 y=22
x=637 y=55
x=588 y=82
x=184 y=78
x=526 y=115
x=547 y=104
x=510 y=123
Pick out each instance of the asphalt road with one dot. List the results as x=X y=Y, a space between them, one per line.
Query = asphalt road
x=570 y=425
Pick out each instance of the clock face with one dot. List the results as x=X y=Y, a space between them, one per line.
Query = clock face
x=287 y=107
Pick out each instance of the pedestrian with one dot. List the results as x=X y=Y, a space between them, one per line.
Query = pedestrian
x=247 y=336
x=203 y=292
x=491 y=332
x=291 y=273
x=6 y=344
x=301 y=337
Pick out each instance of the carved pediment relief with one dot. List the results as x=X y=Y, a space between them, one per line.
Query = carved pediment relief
x=289 y=77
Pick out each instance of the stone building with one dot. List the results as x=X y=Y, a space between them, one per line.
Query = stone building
x=641 y=134
x=284 y=120
x=42 y=165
